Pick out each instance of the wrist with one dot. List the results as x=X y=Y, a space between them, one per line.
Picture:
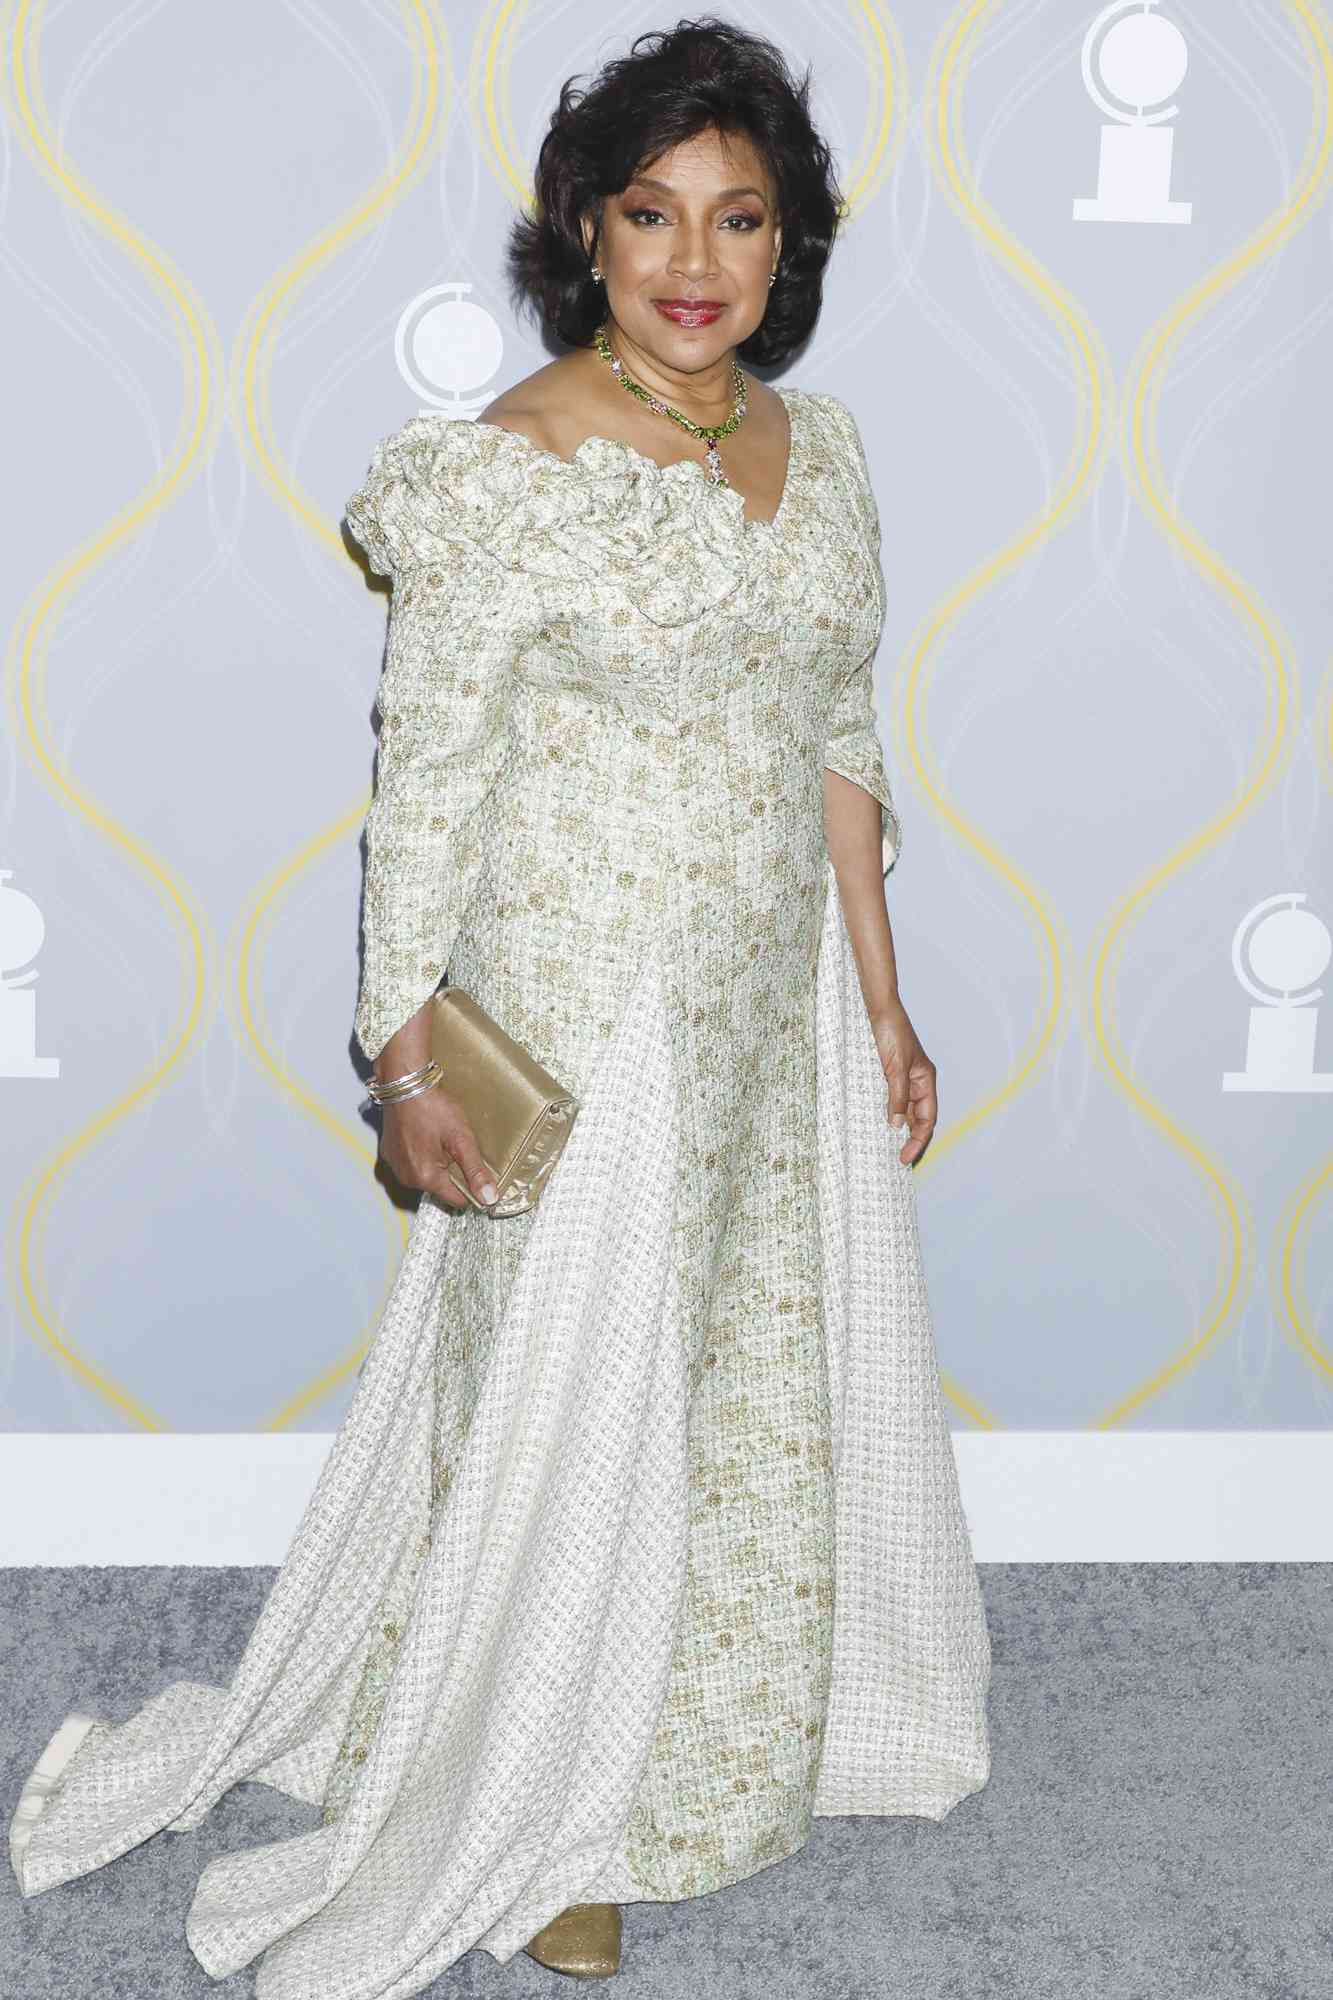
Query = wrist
x=886 y=1007
x=397 y=1088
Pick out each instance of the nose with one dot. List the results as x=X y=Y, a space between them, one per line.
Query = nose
x=692 y=251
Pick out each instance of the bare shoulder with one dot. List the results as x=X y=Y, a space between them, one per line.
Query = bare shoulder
x=575 y=397
x=547 y=407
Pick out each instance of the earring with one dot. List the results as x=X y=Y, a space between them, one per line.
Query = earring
x=772 y=277
x=596 y=274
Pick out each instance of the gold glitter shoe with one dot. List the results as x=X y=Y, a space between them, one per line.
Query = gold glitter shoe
x=583 y=1940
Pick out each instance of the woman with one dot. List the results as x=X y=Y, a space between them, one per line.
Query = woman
x=640 y=1544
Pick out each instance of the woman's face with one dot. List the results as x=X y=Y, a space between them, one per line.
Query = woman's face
x=686 y=251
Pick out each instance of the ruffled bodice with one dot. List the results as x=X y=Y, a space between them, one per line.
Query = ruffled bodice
x=593 y=659
x=667 y=537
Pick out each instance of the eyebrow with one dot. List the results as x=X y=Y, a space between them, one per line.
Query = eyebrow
x=725 y=194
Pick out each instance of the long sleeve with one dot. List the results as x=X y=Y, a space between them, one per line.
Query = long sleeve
x=854 y=747
x=444 y=739
x=855 y=750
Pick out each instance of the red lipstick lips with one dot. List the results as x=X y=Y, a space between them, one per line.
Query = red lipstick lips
x=690 y=312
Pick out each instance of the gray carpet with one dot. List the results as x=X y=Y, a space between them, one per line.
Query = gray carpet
x=1158 y=1823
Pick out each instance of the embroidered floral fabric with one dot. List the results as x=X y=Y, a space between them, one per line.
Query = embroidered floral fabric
x=581 y=655
x=641 y=1544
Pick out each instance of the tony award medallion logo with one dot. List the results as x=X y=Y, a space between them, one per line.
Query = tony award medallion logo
x=448 y=350
x=21 y=933
x=1141 y=61
x=1278 y=953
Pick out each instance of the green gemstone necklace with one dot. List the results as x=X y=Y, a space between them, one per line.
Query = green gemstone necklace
x=710 y=433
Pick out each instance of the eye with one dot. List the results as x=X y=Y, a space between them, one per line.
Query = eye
x=747 y=221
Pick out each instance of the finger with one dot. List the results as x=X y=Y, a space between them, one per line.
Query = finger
x=898 y=1100
x=434 y=1177
x=446 y=1191
x=467 y=1153
x=923 y=1114
x=925 y=1108
x=916 y=1145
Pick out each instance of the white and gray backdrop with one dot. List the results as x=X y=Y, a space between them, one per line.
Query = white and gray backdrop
x=1083 y=310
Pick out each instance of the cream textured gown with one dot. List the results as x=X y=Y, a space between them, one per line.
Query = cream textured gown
x=641 y=1541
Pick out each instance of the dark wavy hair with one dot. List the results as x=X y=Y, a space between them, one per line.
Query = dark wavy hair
x=674 y=84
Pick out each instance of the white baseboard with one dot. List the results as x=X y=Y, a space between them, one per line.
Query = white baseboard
x=215 y=1498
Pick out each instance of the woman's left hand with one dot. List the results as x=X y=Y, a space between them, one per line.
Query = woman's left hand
x=910 y=1075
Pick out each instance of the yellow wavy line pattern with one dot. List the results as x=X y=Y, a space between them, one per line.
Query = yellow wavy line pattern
x=252 y=414
x=489 y=96
x=885 y=131
x=1292 y=1232
x=1142 y=401
x=28 y=653
x=255 y=349
x=1289 y=1295
x=1090 y=373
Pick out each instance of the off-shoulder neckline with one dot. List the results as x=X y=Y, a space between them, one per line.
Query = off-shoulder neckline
x=681 y=468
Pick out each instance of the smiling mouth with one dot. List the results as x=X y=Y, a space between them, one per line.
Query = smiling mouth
x=690 y=314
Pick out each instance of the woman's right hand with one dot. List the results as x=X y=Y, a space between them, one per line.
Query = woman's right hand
x=420 y=1136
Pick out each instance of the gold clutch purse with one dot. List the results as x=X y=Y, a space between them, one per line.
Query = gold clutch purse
x=521 y=1115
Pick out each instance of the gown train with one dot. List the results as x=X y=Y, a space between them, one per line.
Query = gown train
x=539 y=1582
